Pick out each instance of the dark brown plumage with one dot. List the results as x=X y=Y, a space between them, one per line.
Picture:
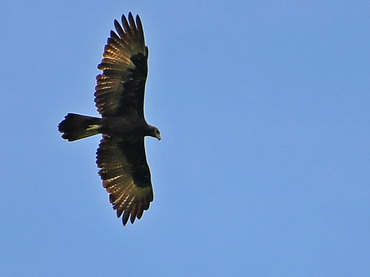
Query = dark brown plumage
x=119 y=98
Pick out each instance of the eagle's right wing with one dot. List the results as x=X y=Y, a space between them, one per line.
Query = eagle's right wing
x=120 y=88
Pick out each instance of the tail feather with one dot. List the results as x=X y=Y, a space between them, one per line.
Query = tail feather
x=75 y=126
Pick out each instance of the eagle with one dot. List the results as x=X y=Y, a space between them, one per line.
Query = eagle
x=119 y=99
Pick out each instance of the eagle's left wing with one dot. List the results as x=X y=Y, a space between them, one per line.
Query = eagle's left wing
x=126 y=176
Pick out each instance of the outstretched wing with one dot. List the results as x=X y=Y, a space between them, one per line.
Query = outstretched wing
x=126 y=176
x=120 y=88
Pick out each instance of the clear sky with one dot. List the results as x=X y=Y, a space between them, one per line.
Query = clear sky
x=264 y=164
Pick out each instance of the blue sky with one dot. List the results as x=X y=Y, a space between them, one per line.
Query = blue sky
x=263 y=168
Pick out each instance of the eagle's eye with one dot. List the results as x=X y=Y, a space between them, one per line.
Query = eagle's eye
x=157 y=134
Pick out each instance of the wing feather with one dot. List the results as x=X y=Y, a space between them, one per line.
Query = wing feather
x=126 y=25
x=119 y=29
x=126 y=176
x=120 y=88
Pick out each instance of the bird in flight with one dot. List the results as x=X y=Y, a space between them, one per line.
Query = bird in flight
x=119 y=98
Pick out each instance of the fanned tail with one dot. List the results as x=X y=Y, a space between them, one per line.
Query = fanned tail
x=75 y=126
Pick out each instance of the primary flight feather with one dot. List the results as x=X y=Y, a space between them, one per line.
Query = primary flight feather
x=119 y=98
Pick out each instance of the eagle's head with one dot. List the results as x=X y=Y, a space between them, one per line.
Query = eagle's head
x=155 y=133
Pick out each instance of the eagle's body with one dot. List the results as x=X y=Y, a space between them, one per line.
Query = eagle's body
x=126 y=127
x=119 y=98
